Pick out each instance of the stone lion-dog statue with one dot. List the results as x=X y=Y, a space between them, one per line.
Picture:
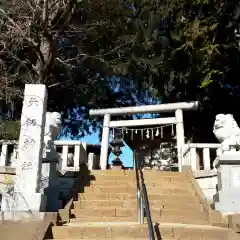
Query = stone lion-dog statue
x=227 y=132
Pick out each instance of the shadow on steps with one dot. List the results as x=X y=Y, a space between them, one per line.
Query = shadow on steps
x=83 y=179
x=157 y=231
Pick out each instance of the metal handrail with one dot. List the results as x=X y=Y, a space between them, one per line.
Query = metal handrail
x=142 y=200
x=139 y=197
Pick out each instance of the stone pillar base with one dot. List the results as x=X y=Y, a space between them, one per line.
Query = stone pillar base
x=227 y=199
x=116 y=167
x=17 y=216
x=24 y=202
x=223 y=203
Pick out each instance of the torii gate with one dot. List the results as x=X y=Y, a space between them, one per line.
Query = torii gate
x=169 y=107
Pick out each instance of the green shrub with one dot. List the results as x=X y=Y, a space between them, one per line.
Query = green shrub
x=9 y=130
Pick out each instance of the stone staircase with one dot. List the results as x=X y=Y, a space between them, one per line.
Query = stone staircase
x=107 y=209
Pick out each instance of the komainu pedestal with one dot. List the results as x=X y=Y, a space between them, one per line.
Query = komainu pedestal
x=227 y=199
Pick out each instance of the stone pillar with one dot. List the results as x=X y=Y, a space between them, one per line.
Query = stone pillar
x=198 y=160
x=206 y=159
x=27 y=196
x=83 y=153
x=227 y=199
x=105 y=142
x=180 y=136
x=76 y=161
x=193 y=158
x=64 y=157
x=91 y=161
x=4 y=155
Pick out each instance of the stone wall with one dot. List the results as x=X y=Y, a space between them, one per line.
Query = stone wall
x=207 y=180
x=6 y=181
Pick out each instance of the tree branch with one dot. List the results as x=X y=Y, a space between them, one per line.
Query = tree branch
x=45 y=14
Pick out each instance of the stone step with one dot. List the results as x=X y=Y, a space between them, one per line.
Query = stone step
x=104 y=203
x=163 y=173
x=133 y=190
x=198 y=233
x=113 y=183
x=110 y=189
x=84 y=219
x=183 y=199
x=178 y=214
x=169 y=185
x=104 y=178
x=133 y=173
x=152 y=176
x=132 y=212
x=135 y=219
x=104 y=212
x=107 y=196
x=167 y=217
x=177 y=220
x=133 y=230
x=150 y=185
x=126 y=196
x=123 y=178
x=173 y=179
x=100 y=231
x=116 y=173
x=171 y=204
x=163 y=183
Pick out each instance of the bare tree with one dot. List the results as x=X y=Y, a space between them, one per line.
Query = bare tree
x=68 y=45
x=32 y=27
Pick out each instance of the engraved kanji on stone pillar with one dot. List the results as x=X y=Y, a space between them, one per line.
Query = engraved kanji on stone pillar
x=30 y=150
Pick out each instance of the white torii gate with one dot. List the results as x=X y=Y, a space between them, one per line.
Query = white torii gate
x=169 y=107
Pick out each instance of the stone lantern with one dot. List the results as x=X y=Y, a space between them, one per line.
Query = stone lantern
x=116 y=145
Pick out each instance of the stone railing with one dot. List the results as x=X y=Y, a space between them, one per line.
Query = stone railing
x=199 y=155
x=71 y=154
